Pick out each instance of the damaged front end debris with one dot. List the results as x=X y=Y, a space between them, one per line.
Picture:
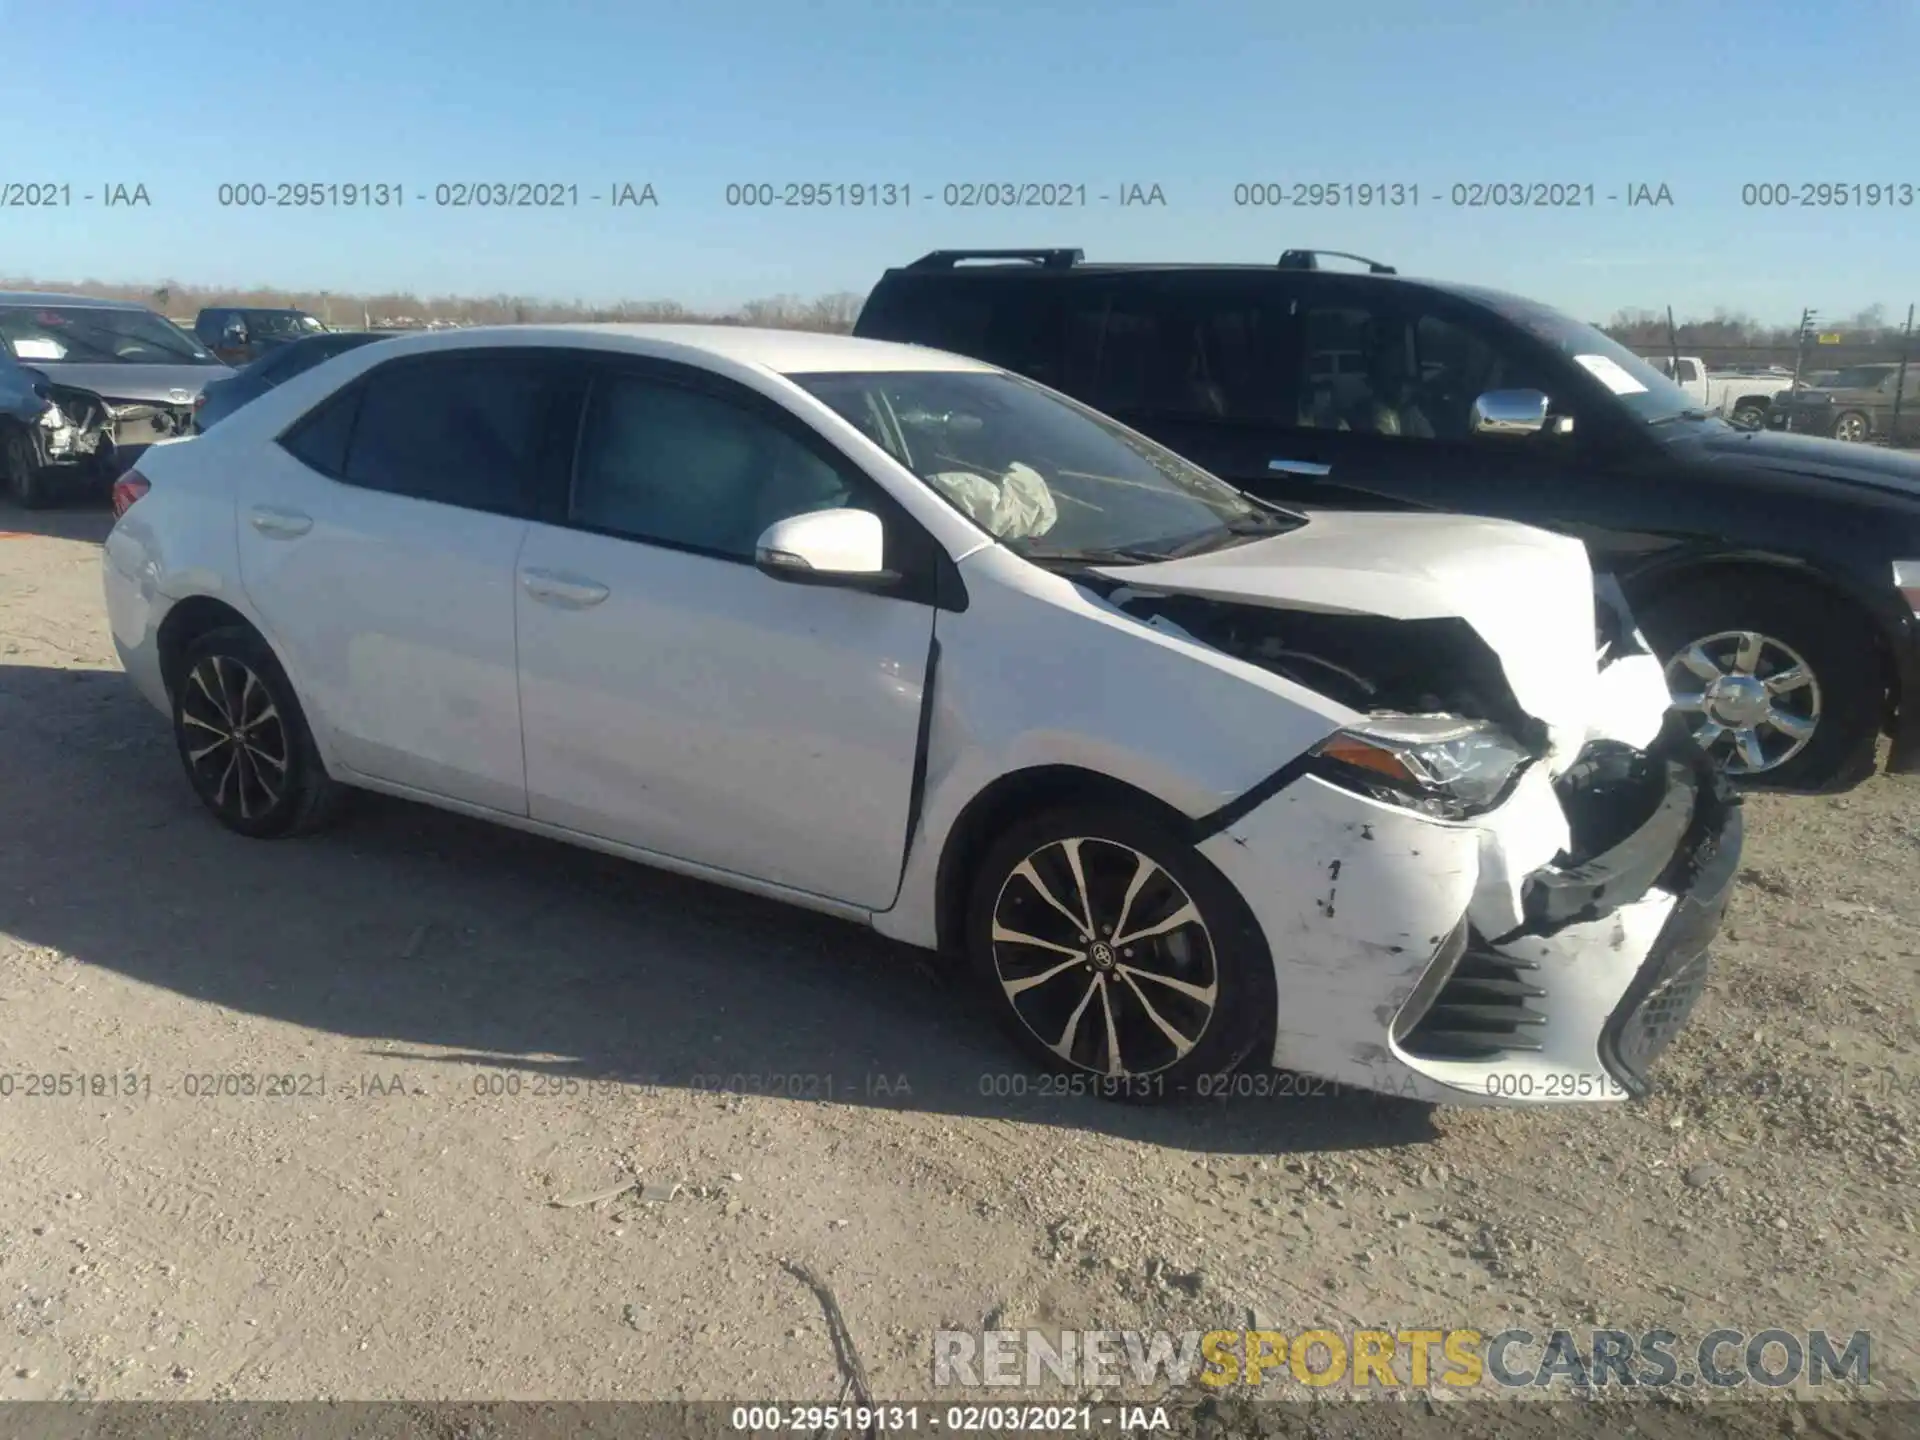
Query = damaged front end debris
x=53 y=438
x=1369 y=663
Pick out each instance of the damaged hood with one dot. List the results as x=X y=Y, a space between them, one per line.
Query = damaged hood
x=1527 y=592
x=139 y=384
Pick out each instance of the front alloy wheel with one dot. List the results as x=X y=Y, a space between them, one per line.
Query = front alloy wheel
x=1104 y=957
x=1111 y=950
x=1752 y=701
x=1852 y=427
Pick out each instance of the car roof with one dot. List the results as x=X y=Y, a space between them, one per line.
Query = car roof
x=48 y=297
x=1018 y=270
x=783 y=352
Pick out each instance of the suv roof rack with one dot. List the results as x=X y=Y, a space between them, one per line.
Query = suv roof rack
x=1310 y=260
x=1046 y=259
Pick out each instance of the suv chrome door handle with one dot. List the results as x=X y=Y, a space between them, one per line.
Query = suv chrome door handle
x=278 y=524
x=1299 y=467
x=569 y=592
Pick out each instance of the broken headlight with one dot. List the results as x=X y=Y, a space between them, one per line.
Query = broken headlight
x=1438 y=764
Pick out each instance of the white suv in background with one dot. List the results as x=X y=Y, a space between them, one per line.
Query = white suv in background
x=904 y=638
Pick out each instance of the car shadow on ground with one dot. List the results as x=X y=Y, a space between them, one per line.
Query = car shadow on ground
x=441 y=940
x=75 y=521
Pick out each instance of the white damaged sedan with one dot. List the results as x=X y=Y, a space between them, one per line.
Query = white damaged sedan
x=1389 y=800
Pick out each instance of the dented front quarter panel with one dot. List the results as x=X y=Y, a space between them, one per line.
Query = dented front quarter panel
x=1354 y=897
x=1039 y=672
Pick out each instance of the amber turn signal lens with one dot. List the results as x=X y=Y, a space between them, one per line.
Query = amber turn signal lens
x=1363 y=755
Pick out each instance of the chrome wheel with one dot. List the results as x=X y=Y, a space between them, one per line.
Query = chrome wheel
x=234 y=738
x=1852 y=428
x=1104 y=957
x=1752 y=701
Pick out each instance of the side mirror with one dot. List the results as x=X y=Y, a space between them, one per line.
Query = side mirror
x=826 y=547
x=1510 y=412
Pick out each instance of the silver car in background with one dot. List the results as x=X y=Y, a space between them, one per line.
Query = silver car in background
x=146 y=370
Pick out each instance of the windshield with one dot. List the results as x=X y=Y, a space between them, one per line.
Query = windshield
x=1629 y=379
x=1046 y=476
x=89 y=335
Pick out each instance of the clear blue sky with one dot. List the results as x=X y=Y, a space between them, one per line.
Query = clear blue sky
x=1192 y=95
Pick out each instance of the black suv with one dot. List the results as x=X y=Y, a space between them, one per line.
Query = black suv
x=1778 y=576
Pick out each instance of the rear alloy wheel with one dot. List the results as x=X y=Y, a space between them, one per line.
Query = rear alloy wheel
x=1853 y=427
x=1111 y=950
x=244 y=741
x=1779 y=682
x=1750 y=417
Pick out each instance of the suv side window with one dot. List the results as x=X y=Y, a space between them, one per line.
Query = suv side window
x=1044 y=327
x=207 y=328
x=675 y=465
x=458 y=429
x=1382 y=369
x=1198 y=352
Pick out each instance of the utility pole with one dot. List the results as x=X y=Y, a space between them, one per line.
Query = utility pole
x=1807 y=317
x=1673 y=347
x=1900 y=384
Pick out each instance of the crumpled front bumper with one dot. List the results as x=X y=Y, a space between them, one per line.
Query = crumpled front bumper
x=1475 y=962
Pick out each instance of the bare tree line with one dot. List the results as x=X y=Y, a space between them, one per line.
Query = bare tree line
x=171 y=298
x=1722 y=336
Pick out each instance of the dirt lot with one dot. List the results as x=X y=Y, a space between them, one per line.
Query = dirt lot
x=477 y=1025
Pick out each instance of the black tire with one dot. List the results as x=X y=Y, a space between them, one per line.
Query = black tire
x=1833 y=640
x=274 y=786
x=1853 y=426
x=20 y=465
x=1749 y=417
x=1222 y=953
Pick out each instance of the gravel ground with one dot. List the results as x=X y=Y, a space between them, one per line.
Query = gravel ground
x=480 y=1033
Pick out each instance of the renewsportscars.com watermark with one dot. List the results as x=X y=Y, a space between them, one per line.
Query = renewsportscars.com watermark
x=1723 y=1359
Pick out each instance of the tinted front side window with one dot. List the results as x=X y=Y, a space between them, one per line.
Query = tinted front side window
x=462 y=431
x=1381 y=369
x=682 y=467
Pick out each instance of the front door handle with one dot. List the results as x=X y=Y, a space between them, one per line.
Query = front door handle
x=278 y=524
x=569 y=592
x=1299 y=467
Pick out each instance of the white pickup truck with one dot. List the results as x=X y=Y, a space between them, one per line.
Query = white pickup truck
x=1739 y=397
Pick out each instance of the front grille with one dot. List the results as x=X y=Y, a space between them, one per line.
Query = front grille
x=1483 y=1010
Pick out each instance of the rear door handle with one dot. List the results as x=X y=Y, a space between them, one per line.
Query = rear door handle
x=1299 y=467
x=278 y=524
x=569 y=592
